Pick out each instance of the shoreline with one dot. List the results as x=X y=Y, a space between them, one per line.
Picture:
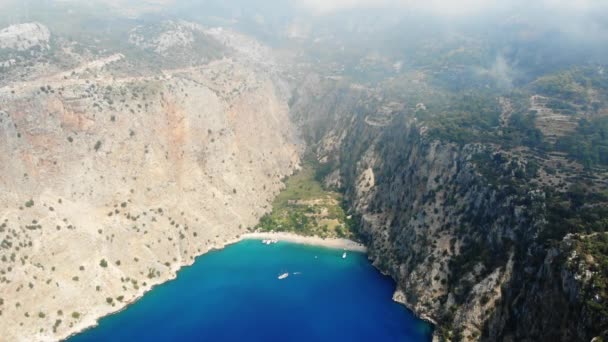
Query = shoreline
x=332 y=243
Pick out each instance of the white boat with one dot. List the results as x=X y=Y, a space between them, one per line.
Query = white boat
x=344 y=255
x=284 y=275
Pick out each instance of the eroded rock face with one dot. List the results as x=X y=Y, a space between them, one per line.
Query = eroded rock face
x=22 y=37
x=448 y=223
x=111 y=182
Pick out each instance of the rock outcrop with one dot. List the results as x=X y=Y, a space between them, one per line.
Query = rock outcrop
x=23 y=37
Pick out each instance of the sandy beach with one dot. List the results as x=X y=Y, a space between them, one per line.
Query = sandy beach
x=335 y=243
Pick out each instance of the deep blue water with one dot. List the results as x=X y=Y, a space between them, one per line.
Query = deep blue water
x=234 y=295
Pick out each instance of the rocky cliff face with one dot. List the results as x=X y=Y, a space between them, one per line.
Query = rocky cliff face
x=459 y=227
x=112 y=179
x=23 y=37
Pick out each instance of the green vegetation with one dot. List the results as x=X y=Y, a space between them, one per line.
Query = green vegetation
x=103 y=263
x=571 y=85
x=475 y=118
x=576 y=91
x=501 y=171
x=562 y=85
x=578 y=210
x=304 y=207
x=56 y=325
x=463 y=118
x=594 y=251
x=589 y=144
x=522 y=131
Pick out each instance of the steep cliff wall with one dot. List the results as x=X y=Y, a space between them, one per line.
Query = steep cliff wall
x=460 y=227
x=112 y=180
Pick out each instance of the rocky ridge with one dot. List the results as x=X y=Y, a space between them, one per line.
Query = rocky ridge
x=113 y=179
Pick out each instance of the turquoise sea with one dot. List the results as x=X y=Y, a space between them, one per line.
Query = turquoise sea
x=235 y=295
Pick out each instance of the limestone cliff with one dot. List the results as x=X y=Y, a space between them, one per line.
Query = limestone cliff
x=461 y=227
x=112 y=177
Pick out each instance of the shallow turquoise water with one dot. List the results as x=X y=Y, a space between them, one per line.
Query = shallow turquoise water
x=234 y=295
